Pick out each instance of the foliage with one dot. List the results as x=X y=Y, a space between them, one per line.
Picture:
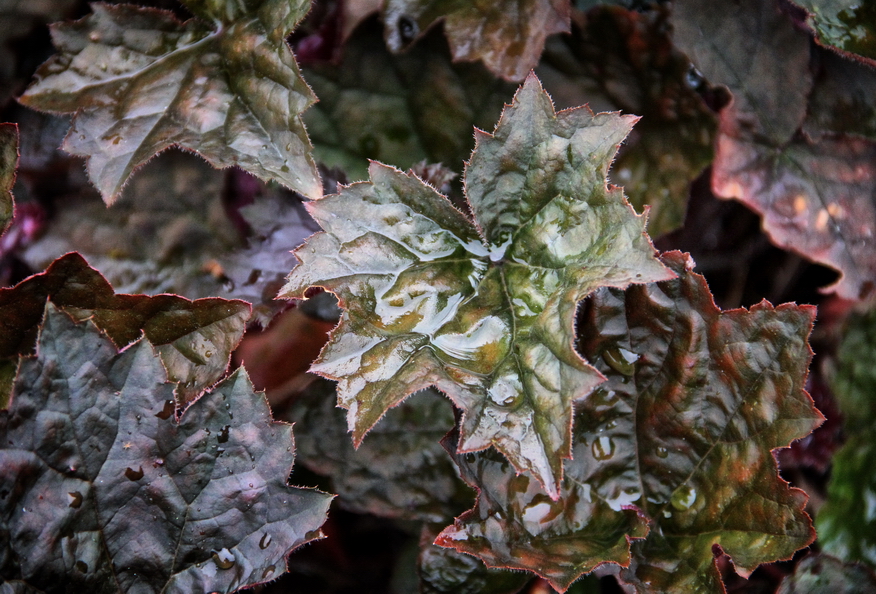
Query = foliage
x=536 y=391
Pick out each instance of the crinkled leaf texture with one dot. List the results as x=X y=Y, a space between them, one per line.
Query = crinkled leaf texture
x=849 y=25
x=507 y=35
x=489 y=322
x=104 y=490
x=676 y=445
x=194 y=339
x=8 y=164
x=823 y=574
x=225 y=85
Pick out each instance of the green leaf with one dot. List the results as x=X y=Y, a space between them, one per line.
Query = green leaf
x=618 y=59
x=823 y=574
x=679 y=438
x=849 y=25
x=140 y=81
x=489 y=323
x=401 y=471
x=194 y=339
x=398 y=109
x=8 y=165
x=104 y=491
x=508 y=36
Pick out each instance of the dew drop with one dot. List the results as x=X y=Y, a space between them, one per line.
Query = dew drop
x=223 y=559
x=165 y=412
x=75 y=499
x=223 y=435
x=208 y=354
x=268 y=571
x=81 y=566
x=469 y=457
x=683 y=498
x=134 y=475
x=621 y=360
x=265 y=542
x=603 y=447
x=662 y=452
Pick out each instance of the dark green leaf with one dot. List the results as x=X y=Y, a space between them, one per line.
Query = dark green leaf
x=849 y=25
x=141 y=81
x=682 y=431
x=103 y=492
x=490 y=323
x=508 y=36
x=823 y=574
x=194 y=339
x=8 y=165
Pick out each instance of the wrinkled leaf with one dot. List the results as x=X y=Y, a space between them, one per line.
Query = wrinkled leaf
x=170 y=233
x=104 y=491
x=141 y=81
x=843 y=98
x=8 y=165
x=398 y=109
x=194 y=339
x=814 y=188
x=682 y=432
x=849 y=25
x=617 y=59
x=401 y=471
x=508 y=36
x=490 y=323
x=823 y=574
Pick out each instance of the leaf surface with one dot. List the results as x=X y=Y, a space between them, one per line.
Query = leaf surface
x=140 y=81
x=489 y=323
x=508 y=36
x=823 y=574
x=104 y=491
x=194 y=339
x=676 y=445
x=8 y=165
x=849 y=25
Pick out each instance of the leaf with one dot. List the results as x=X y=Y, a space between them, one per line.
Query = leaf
x=489 y=323
x=814 y=187
x=849 y=25
x=398 y=109
x=507 y=36
x=170 y=233
x=682 y=432
x=8 y=165
x=624 y=59
x=823 y=574
x=140 y=81
x=194 y=339
x=103 y=491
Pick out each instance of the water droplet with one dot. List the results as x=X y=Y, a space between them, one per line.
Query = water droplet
x=265 y=542
x=621 y=360
x=662 y=452
x=208 y=354
x=683 y=498
x=603 y=447
x=134 y=475
x=223 y=559
x=75 y=499
x=94 y=36
x=469 y=457
x=81 y=566
x=268 y=571
x=223 y=435
x=165 y=412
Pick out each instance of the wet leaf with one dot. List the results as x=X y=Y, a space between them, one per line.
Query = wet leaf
x=489 y=323
x=401 y=471
x=224 y=84
x=814 y=187
x=507 y=36
x=823 y=574
x=8 y=165
x=398 y=109
x=849 y=25
x=618 y=59
x=103 y=494
x=681 y=432
x=170 y=233
x=194 y=339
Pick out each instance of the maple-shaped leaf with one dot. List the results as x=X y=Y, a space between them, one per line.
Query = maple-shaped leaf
x=484 y=310
x=224 y=84
x=508 y=36
x=681 y=433
x=194 y=339
x=398 y=109
x=104 y=490
x=8 y=165
x=813 y=185
x=823 y=574
x=849 y=25
x=624 y=59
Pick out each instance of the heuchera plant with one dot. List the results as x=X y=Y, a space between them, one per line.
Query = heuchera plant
x=517 y=380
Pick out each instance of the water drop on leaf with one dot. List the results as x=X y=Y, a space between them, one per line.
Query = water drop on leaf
x=265 y=542
x=75 y=499
x=134 y=475
x=603 y=447
x=223 y=559
x=683 y=498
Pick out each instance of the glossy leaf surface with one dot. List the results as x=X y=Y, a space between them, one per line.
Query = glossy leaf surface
x=849 y=25
x=490 y=323
x=682 y=433
x=141 y=81
x=8 y=164
x=508 y=36
x=104 y=491
x=814 y=186
x=823 y=574
x=194 y=339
